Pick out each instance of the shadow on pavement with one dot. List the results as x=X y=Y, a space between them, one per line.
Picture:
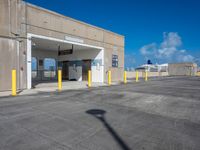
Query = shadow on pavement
x=100 y=115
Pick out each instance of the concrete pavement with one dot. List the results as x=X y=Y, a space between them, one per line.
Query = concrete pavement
x=162 y=114
x=46 y=87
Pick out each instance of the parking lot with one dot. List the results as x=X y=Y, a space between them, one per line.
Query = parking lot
x=161 y=114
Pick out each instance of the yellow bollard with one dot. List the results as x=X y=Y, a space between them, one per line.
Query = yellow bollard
x=125 y=77
x=89 y=79
x=137 y=76
x=146 y=76
x=14 y=83
x=109 y=77
x=59 y=80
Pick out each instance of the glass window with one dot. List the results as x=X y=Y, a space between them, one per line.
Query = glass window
x=34 y=67
x=49 y=67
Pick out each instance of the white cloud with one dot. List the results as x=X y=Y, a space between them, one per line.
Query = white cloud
x=182 y=51
x=171 y=39
x=148 y=49
x=168 y=50
x=186 y=58
x=197 y=60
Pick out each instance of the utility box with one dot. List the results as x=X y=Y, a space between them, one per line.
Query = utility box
x=182 y=69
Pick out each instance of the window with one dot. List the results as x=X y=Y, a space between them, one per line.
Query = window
x=34 y=67
x=49 y=67
x=114 y=60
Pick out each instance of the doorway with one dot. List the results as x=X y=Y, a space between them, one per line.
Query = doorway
x=65 y=70
x=86 y=66
x=43 y=47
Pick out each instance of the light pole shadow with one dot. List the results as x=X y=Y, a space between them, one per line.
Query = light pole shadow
x=100 y=115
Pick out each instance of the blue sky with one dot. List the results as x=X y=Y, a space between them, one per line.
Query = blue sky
x=160 y=30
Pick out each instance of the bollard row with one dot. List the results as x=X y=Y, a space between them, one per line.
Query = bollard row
x=14 y=80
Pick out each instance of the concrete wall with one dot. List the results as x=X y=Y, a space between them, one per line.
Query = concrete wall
x=182 y=69
x=11 y=15
x=12 y=45
x=8 y=60
x=4 y=18
x=51 y=21
x=132 y=74
x=117 y=73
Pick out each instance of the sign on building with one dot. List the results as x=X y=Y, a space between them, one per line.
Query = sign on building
x=114 y=60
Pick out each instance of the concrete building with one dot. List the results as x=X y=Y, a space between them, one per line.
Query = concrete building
x=36 y=42
x=182 y=69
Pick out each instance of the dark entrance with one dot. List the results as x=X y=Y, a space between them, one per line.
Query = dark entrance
x=65 y=70
x=85 y=68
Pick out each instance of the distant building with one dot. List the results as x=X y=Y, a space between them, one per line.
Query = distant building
x=198 y=69
x=153 y=68
x=183 y=69
x=163 y=67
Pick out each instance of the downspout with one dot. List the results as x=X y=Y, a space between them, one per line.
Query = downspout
x=9 y=15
